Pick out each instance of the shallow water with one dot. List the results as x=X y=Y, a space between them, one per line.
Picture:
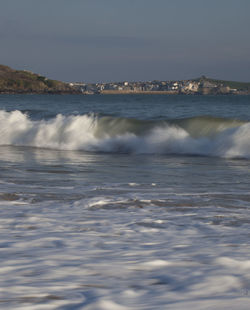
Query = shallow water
x=115 y=228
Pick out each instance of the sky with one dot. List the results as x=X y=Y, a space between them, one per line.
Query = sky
x=127 y=40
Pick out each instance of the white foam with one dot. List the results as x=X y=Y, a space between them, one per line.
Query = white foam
x=88 y=133
x=237 y=265
x=107 y=305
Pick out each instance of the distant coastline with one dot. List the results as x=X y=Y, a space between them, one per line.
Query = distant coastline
x=199 y=86
x=26 y=82
x=138 y=92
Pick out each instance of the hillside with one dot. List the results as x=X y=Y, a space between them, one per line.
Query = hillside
x=17 y=81
x=240 y=86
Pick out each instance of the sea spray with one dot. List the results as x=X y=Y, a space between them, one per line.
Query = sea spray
x=206 y=136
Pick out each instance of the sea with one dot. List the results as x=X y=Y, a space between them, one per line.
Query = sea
x=116 y=202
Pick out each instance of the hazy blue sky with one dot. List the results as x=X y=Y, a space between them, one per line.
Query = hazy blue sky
x=111 y=40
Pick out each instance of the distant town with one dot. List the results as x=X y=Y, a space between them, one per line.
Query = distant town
x=202 y=85
x=26 y=82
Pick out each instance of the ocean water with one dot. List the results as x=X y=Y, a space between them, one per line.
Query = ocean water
x=124 y=202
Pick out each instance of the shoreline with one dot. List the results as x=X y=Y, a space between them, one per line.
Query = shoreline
x=141 y=92
x=111 y=92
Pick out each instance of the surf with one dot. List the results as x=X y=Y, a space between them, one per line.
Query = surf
x=203 y=135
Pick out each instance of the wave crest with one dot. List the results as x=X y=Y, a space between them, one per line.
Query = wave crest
x=205 y=136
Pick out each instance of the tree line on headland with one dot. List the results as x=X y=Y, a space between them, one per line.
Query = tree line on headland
x=26 y=82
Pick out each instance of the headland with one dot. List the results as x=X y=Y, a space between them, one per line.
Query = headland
x=26 y=82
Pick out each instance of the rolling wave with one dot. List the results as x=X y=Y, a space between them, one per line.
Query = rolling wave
x=206 y=136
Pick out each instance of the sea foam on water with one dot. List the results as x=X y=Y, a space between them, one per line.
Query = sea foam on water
x=107 y=227
x=194 y=136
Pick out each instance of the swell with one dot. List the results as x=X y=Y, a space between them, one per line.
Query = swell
x=207 y=136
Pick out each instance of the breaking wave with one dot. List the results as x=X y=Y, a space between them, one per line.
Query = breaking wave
x=206 y=136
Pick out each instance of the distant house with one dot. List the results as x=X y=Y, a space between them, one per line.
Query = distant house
x=208 y=87
x=192 y=87
x=208 y=84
